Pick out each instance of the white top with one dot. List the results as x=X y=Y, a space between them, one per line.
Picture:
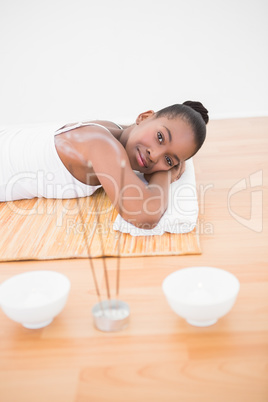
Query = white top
x=31 y=167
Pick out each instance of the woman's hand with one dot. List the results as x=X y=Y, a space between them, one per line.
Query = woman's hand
x=177 y=171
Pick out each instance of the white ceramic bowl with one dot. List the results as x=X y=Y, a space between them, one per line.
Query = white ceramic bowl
x=201 y=295
x=34 y=298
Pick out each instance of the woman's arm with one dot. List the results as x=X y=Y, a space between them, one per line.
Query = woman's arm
x=139 y=203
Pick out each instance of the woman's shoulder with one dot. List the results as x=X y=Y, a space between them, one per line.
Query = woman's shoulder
x=108 y=124
x=91 y=126
x=90 y=139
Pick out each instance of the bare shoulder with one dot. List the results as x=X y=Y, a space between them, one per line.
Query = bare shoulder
x=109 y=124
x=95 y=144
x=101 y=147
x=91 y=141
x=78 y=138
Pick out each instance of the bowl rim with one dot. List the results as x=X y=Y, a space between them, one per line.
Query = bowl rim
x=210 y=303
x=7 y=282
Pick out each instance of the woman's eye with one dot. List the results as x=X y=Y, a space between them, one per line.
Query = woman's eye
x=169 y=161
x=160 y=137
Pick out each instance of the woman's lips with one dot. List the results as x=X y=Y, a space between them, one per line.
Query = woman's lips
x=141 y=160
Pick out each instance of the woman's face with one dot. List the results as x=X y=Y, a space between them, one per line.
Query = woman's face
x=156 y=144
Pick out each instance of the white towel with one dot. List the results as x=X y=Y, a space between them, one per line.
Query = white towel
x=182 y=211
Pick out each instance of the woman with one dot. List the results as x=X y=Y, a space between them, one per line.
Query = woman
x=79 y=158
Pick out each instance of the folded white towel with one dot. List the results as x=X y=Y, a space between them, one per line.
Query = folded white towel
x=182 y=211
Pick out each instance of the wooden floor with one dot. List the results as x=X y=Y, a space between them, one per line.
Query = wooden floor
x=160 y=357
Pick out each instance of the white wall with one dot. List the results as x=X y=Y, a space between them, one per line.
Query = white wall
x=112 y=59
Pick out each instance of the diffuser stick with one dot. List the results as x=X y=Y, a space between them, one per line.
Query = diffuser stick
x=123 y=165
x=89 y=164
x=87 y=245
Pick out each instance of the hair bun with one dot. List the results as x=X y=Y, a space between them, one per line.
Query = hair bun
x=198 y=107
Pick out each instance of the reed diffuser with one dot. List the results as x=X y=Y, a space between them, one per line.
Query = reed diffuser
x=110 y=314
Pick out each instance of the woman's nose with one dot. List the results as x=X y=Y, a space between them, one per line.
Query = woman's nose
x=153 y=155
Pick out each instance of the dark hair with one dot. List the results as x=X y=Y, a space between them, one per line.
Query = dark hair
x=193 y=113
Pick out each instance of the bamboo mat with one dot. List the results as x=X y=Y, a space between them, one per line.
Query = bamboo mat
x=43 y=229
